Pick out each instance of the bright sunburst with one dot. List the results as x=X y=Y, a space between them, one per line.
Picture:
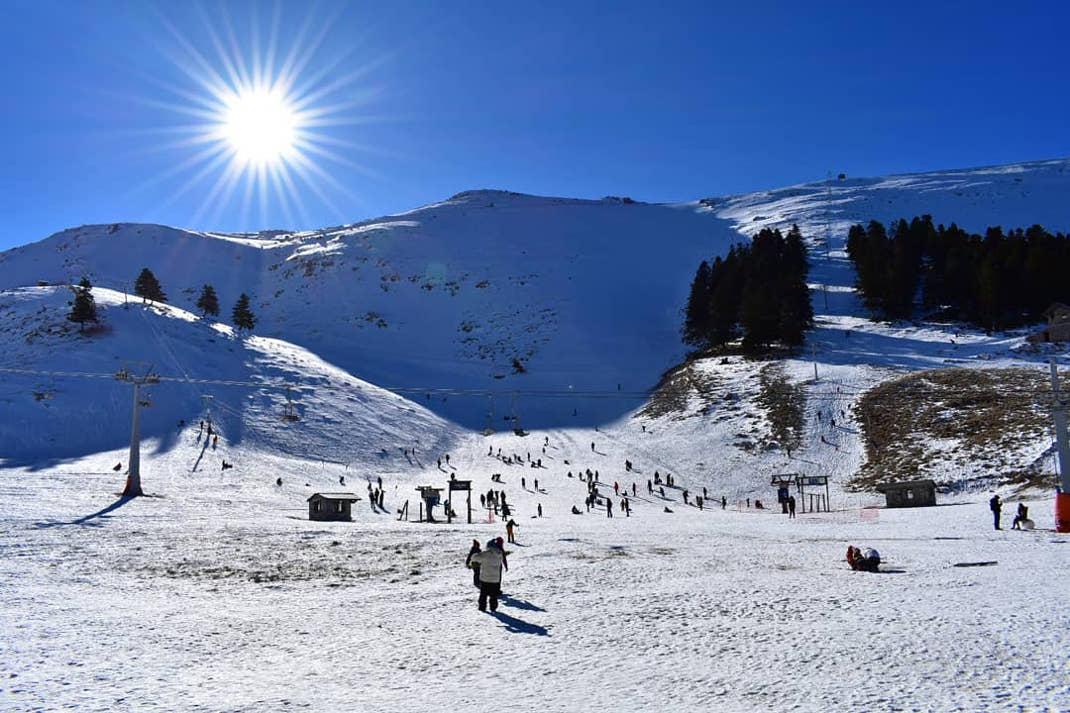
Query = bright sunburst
x=265 y=116
x=261 y=126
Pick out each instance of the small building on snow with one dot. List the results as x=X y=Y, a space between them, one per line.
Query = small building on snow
x=331 y=506
x=1058 y=328
x=909 y=494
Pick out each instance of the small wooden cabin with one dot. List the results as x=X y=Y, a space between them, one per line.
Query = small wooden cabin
x=909 y=494
x=331 y=506
x=1058 y=328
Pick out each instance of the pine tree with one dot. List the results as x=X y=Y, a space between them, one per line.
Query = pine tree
x=208 y=303
x=147 y=287
x=242 y=316
x=696 y=314
x=84 y=307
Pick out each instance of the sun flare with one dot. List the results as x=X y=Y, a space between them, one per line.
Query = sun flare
x=260 y=126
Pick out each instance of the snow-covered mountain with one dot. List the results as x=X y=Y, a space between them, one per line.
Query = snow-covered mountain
x=563 y=313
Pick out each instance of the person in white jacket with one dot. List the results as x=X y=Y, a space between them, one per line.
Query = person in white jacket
x=491 y=562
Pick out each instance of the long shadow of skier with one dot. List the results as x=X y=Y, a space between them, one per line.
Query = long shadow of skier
x=519 y=626
x=88 y=519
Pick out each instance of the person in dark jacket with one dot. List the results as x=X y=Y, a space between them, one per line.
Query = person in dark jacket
x=996 y=506
x=476 y=549
x=1021 y=516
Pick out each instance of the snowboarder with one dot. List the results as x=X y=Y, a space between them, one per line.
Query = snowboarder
x=476 y=549
x=491 y=562
x=510 y=528
x=996 y=506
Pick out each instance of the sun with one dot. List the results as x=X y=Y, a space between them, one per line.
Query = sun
x=261 y=126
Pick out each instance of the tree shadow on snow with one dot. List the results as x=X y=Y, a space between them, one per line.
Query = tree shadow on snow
x=519 y=626
x=102 y=515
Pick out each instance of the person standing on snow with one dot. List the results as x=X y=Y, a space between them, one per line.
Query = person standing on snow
x=791 y=506
x=490 y=562
x=996 y=506
x=476 y=549
x=510 y=528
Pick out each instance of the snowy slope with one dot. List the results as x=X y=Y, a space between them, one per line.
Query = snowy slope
x=585 y=294
x=216 y=593
x=52 y=418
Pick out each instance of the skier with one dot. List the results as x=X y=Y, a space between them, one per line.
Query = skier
x=510 y=527
x=490 y=562
x=698 y=501
x=996 y=506
x=476 y=549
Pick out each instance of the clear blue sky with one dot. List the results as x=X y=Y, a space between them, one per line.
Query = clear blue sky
x=659 y=101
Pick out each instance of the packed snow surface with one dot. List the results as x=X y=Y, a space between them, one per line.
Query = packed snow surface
x=384 y=345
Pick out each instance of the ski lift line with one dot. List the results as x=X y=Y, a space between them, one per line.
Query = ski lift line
x=546 y=393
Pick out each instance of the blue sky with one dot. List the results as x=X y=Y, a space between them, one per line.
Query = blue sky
x=659 y=101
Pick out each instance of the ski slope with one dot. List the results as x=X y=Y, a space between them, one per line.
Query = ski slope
x=216 y=592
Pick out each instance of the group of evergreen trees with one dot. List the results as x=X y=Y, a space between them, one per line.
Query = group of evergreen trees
x=147 y=287
x=994 y=281
x=757 y=293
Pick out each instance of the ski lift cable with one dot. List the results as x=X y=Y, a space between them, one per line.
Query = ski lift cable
x=916 y=390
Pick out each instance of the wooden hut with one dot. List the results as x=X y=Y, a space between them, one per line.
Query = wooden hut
x=909 y=494
x=331 y=506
